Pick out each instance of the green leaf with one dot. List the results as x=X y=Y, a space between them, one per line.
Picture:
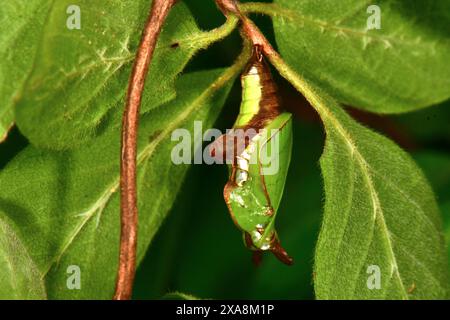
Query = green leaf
x=379 y=211
x=81 y=75
x=16 y=54
x=20 y=278
x=65 y=205
x=401 y=67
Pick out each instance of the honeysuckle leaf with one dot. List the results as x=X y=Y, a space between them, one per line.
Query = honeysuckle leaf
x=64 y=206
x=20 y=278
x=400 y=67
x=380 y=215
x=80 y=75
x=381 y=235
x=21 y=22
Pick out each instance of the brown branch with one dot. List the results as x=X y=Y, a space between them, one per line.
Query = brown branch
x=130 y=123
x=228 y=6
x=249 y=29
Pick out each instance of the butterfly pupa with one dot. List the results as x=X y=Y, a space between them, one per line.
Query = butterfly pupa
x=258 y=152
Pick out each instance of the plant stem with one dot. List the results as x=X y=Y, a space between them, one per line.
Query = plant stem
x=255 y=36
x=250 y=31
x=128 y=186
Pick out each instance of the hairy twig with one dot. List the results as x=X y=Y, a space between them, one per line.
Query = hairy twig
x=250 y=31
x=128 y=186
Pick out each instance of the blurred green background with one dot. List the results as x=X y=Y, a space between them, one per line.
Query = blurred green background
x=199 y=250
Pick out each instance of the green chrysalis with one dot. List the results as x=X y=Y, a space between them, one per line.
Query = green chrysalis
x=258 y=151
